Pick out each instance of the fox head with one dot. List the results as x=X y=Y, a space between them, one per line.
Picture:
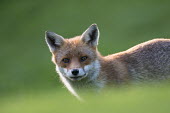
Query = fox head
x=75 y=58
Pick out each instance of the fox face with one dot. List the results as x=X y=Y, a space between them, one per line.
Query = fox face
x=75 y=58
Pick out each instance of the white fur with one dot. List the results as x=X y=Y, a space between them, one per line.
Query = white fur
x=66 y=83
x=92 y=71
x=69 y=72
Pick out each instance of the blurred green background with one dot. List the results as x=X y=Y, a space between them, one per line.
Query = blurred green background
x=28 y=81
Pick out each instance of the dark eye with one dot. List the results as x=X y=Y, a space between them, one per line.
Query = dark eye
x=66 y=60
x=83 y=58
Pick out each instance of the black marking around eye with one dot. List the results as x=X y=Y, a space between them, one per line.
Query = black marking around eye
x=66 y=60
x=83 y=58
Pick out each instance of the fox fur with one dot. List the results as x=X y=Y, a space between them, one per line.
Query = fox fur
x=146 y=61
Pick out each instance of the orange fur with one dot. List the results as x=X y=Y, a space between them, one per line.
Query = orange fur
x=113 y=69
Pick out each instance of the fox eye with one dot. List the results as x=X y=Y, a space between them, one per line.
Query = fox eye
x=66 y=60
x=83 y=58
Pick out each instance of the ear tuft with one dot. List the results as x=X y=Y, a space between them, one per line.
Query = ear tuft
x=91 y=35
x=53 y=40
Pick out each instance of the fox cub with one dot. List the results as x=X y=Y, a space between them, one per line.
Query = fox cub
x=79 y=63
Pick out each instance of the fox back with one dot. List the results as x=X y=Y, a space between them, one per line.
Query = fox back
x=149 y=60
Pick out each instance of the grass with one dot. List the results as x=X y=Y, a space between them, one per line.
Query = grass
x=132 y=99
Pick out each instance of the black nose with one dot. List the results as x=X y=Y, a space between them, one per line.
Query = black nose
x=75 y=72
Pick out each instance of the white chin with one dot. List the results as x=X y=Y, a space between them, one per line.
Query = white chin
x=78 y=78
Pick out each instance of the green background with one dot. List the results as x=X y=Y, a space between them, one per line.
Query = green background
x=28 y=81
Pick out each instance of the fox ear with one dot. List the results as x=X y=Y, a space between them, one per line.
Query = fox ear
x=91 y=36
x=53 y=41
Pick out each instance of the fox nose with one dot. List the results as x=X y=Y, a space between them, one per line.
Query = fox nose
x=75 y=72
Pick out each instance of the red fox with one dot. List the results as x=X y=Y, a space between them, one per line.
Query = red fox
x=79 y=63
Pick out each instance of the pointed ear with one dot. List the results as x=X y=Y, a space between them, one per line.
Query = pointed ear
x=91 y=36
x=53 y=41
